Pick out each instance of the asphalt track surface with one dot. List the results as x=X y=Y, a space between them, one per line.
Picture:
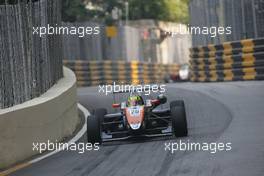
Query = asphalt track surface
x=216 y=112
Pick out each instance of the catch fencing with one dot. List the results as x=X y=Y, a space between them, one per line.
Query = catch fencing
x=29 y=65
x=125 y=43
x=231 y=61
x=93 y=73
x=98 y=47
x=246 y=17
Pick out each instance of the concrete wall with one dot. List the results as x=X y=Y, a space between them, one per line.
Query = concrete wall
x=52 y=116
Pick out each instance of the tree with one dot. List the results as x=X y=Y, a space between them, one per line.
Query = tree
x=147 y=9
x=103 y=9
x=73 y=10
x=165 y=10
x=177 y=10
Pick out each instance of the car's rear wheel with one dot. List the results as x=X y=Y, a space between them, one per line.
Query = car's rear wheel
x=178 y=116
x=94 y=126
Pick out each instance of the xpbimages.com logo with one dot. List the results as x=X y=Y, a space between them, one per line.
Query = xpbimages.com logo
x=213 y=147
x=80 y=147
x=80 y=31
x=146 y=89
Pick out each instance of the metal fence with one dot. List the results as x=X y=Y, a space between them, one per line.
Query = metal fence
x=129 y=43
x=123 y=46
x=88 y=46
x=246 y=17
x=29 y=65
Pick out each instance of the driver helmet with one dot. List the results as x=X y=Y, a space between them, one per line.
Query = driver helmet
x=134 y=100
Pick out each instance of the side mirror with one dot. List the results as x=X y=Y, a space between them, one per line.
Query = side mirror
x=162 y=99
x=116 y=105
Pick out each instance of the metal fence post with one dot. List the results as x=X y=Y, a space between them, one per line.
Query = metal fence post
x=254 y=19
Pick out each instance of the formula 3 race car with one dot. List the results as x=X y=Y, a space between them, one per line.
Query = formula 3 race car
x=137 y=117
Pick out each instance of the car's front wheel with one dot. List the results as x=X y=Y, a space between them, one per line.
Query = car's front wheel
x=178 y=116
x=94 y=126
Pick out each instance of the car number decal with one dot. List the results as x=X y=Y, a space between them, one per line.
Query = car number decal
x=135 y=112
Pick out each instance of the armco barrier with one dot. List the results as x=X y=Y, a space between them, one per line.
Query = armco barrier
x=92 y=73
x=230 y=61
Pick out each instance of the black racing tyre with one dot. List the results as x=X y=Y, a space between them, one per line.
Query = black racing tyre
x=94 y=126
x=178 y=118
x=101 y=112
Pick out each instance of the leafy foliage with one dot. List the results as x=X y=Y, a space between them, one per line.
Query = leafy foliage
x=177 y=10
x=73 y=10
x=165 y=10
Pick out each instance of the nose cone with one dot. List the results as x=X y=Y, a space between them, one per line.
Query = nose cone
x=135 y=126
x=135 y=116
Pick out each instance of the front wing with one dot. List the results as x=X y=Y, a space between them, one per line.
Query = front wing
x=111 y=127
